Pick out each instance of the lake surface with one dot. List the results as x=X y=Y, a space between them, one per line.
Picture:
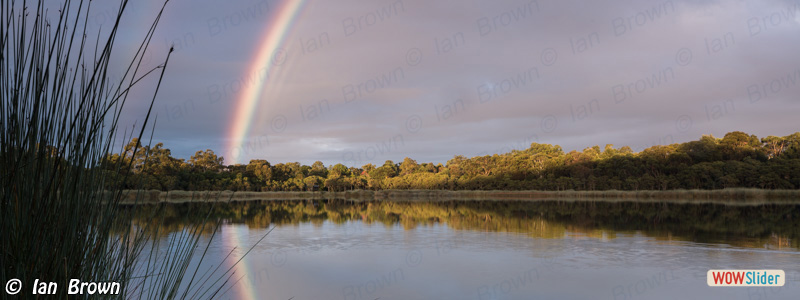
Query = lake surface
x=497 y=249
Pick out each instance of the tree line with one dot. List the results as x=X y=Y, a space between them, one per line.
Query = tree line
x=736 y=160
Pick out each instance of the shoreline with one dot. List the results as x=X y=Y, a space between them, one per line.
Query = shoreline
x=733 y=196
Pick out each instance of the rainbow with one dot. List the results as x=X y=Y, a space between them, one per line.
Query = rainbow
x=278 y=28
x=234 y=236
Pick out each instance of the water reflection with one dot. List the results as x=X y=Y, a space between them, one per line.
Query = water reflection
x=763 y=226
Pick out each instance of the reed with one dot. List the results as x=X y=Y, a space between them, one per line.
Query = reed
x=60 y=115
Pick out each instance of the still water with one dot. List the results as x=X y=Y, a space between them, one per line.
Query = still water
x=497 y=249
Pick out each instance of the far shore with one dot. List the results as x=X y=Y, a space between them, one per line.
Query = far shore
x=740 y=196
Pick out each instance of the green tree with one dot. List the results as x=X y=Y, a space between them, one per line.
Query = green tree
x=339 y=170
x=408 y=166
x=318 y=169
x=206 y=161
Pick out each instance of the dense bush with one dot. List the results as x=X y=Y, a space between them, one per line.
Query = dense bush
x=736 y=160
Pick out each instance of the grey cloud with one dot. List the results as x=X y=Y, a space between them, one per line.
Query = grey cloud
x=575 y=100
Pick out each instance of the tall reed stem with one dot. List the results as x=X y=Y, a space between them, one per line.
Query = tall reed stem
x=59 y=117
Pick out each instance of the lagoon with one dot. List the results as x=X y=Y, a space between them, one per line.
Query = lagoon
x=549 y=249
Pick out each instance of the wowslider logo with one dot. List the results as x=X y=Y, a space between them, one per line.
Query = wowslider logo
x=746 y=278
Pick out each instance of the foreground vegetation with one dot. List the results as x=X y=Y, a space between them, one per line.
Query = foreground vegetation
x=59 y=114
x=737 y=160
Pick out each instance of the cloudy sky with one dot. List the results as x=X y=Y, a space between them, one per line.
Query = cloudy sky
x=362 y=82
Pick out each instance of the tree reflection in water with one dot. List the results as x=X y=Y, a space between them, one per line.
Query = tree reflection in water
x=764 y=226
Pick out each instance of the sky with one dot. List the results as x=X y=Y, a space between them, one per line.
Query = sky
x=359 y=82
